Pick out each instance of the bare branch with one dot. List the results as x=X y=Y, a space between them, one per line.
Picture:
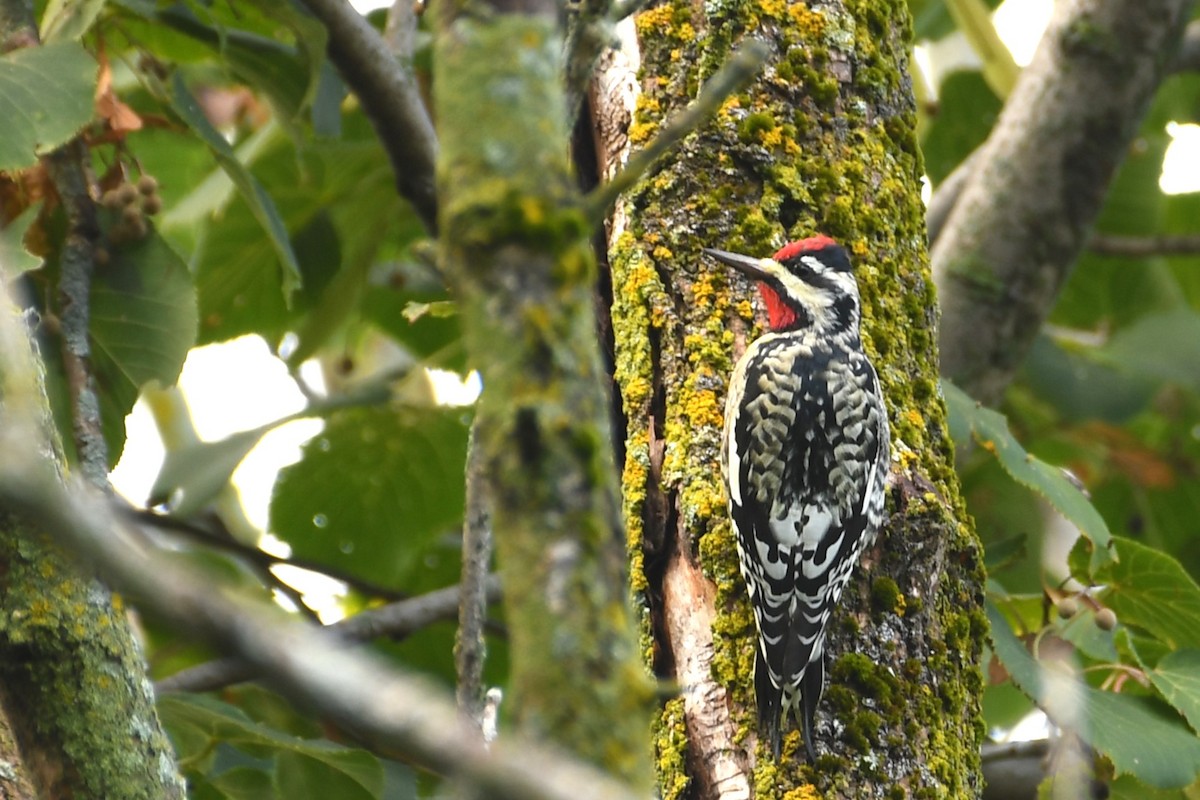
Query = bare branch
x=395 y=713
x=389 y=95
x=1106 y=244
x=1025 y=213
x=1188 y=58
x=394 y=621
x=470 y=647
x=736 y=73
x=66 y=168
x=946 y=194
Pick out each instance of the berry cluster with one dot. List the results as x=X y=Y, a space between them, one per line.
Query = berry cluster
x=132 y=203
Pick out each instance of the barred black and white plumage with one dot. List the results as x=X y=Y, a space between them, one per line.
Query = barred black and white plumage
x=805 y=462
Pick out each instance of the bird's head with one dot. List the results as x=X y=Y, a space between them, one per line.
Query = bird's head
x=806 y=284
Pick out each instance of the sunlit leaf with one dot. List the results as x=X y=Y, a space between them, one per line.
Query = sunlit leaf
x=65 y=20
x=14 y=257
x=192 y=476
x=990 y=431
x=45 y=99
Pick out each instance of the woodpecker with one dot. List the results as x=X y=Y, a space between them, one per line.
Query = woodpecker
x=805 y=462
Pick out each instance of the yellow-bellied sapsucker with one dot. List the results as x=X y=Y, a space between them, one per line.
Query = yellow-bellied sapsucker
x=805 y=461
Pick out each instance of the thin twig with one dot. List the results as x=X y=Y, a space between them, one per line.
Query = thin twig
x=390 y=97
x=394 y=621
x=470 y=646
x=733 y=76
x=1107 y=244
x=220 y=538
x=74 y=291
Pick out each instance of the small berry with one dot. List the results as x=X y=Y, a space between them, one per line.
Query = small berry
x=152 y=204
x=111 y=199
x=147 y=185
x=131 y=213
x=127 y=193
x=1067 y=607
x=1106 y=619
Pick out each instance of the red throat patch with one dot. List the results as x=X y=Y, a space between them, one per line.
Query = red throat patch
x=779 y=314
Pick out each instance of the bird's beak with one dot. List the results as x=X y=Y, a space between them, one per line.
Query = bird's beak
x=757 y=268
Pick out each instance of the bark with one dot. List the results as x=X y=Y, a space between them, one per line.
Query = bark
x=823 y=142
x=515 y=250
x=1025 y=212
x=72 y=680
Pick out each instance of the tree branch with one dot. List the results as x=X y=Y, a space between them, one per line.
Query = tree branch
x=389 y=96
x=1025 y=213
x=395 y=713
x=1106 y=244
x=1188 y=57
x=394 y=621
x=66 y=169
x=470 y=647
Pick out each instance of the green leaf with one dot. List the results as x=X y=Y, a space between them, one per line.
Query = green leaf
x=345 y=774
x=244 y=783
x=65 y=20
x=1126 y=729
x=1177 y=678
x=191 y=477
x=143 y=322
x=45 y=99
x=259 y=202
x=14 y=257
x=990 y=431
x=1163 y=346
x=966 y=111
x=1149 y=589
x=373 y=490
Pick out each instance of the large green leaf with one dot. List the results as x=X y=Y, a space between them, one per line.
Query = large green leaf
x=143 y=322
x=198 y=724
x=45 y=99
x=373 y=490
x=990 y=430
x=1132 y=733
x=1150 y=590
x=1177 y=677
x=340 y=773
x=14 y=257
x=1164 y=346
x=259 y=202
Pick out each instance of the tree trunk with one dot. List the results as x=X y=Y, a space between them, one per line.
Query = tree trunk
x=515 y=249
x=73 y=683
x=823 y=142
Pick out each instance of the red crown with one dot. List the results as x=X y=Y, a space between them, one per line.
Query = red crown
x=809 y=245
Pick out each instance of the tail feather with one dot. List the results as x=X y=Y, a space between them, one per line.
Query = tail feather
x=810 y=695
x=770 y=703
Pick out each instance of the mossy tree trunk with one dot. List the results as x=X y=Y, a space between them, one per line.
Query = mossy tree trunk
x=515 y=249
x=73 y=682
x=823 y=142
